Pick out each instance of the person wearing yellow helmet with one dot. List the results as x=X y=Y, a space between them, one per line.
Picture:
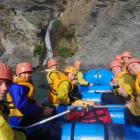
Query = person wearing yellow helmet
x=60 y=87
x=71 y=72
x=6 y=133
x=79 y=77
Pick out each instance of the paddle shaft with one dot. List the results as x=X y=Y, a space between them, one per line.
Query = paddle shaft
x=109 y=106
x=50 y=118
x=100 y=91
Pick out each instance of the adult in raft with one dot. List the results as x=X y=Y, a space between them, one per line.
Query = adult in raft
x=126 y=55
x=132 y=113
x=24 y=110
x=6 y=133
x=123 y=85
x=79 y=80
x=61 y=86
x=119 y=58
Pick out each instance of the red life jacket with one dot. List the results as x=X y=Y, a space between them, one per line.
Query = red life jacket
x=94 y=115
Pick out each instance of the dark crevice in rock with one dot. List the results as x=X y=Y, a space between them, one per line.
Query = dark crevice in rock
x=38 y=8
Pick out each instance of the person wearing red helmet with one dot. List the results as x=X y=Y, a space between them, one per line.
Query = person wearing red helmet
x=132 y=113
x=52 y=63
x=123 y=86
x=126 y=55
x=119 y=58
x=24 y=109
x=6 y=133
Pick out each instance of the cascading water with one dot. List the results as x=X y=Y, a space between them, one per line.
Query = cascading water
x=48 y=43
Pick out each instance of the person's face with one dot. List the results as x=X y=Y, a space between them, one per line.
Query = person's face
x=77 y=65
x=4 y=85
x=125 y=59
x=71 y=76
x=26 y=76
x=134 y=68
x=54 y=67
x=116 y=70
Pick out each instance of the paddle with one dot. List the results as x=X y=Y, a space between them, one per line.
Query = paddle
x=110 y=106
x=50 y=118
x=101 y=91
x=66 y=112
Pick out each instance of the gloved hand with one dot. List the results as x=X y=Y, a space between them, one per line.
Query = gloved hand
x=83 y=103
x=48 y=111
x=122 y=91
x=90 y=84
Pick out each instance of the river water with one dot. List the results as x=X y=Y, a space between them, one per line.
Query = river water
x=39 y=79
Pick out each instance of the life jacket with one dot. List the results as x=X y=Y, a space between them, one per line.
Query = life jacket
x=14 y=111
x=21 y=82
x=54 y=82
x=80 y=79
x=6 y=133
x=120 y=75
x=137 y=84
x=125 y=80
x=93 y=115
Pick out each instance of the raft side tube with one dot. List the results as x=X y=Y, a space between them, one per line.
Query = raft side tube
x=97 y=131
x=82 y=131
x=117 y=114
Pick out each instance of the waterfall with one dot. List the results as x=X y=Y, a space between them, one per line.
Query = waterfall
x=48 y=43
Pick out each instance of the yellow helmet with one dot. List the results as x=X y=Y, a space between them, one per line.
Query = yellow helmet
x=70 y=69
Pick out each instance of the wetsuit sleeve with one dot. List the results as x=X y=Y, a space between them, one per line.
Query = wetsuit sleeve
x=81 y=79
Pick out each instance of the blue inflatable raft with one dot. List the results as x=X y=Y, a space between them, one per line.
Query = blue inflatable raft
x=118 y=130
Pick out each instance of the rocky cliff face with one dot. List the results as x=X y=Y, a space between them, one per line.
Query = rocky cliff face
x=103 y=28
x=22 y=25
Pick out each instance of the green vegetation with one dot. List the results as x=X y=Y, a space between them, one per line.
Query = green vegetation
x=63 y=39
x=62 y=30
x=64 y=52
x=70 y=32
x=57 y=25
x=40 y=50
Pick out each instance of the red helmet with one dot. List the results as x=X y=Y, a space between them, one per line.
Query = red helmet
x=5 y=72
x=115 y=63
x=132 y=60
x=52 y=62
x=118 y=57
x=127 y=54
x=23 y=67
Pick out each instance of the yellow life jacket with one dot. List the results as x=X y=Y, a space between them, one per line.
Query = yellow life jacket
x=14 y=111
x=6 y=133
x=137 y=84
x=27 y=84
x=119 y=75
x=54 y=79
